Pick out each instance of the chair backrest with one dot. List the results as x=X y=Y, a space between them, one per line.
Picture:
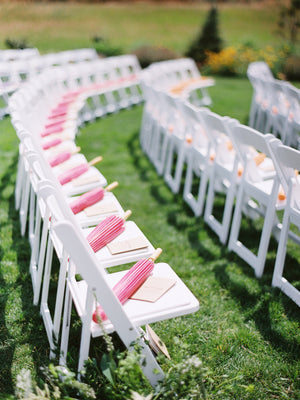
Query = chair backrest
x=195 y=125
x=220 y=132
x=287 y=163
x=260 y=69
x=248 y=143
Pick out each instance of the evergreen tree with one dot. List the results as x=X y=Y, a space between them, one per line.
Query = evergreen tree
x=207 y=40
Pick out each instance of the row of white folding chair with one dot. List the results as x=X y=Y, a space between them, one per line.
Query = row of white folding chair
x=48 y=262
x=287 y=161
x=275 y=105
x=216 y=152
x=18 y=54
x=52 y=326
x=42 y=250
x=164 y=75
x=124 y=320
x=34 y=96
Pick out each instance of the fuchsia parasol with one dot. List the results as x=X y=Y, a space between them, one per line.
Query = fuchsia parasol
x=62 y=157
x=130 y=282
x=107 y=230
x=52 y=143
x=77 y=171
x=90 y=198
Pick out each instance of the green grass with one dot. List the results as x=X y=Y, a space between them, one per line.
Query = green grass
x=61 y=26
x=246 y=333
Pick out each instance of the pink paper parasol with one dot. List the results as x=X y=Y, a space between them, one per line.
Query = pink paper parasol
x=58 y=113
x=130 y=282
x=90 y=198
x=56 y=124
x=75 y=172
x=107 y=230
x=62 y=157
x=52 y=143
x=50 y=131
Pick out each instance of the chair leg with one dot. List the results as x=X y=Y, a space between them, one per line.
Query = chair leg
x=86 y=332
x=65 y=328
x=60 y=296
x=196 y=203
x=41 y=260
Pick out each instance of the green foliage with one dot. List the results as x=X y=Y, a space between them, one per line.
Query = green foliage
x=104 y=47
x=60 y=383
x=289 y=20
x=16 y=43
x=234 y=61
x=292 y=68
x=207 y=40
x=147 y=54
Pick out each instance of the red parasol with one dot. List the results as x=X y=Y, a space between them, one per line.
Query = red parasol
x=75 y=172
x=90 y=198
x=62 y=157
x=130 y=282
x=107 y=230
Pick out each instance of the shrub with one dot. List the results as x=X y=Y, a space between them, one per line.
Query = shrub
x=235 y=60
x=104 y=47
x=292 y=68
x=16 y=43
x=208 y=40
x=148 y=54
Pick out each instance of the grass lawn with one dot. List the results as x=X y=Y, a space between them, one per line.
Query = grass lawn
x=246 y=333
x=64 y=25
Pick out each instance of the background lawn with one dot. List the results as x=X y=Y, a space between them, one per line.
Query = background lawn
x=246 y=333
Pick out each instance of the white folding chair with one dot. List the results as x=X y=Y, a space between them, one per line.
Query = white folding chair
x=256 y=194
x=291 y=128
x=286 y=161
x=58 y=210
x=163 y=126
x=177 y=146
x=199 y=157
x=278 y=108
x=124 y=320
x=224 y=176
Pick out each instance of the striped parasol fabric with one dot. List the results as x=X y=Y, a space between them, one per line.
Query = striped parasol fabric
x=90 y=198
x=77 y=171
x=130 y=282
x=107 y=230
x=62 y=157
x=51 y=143
x=52 y=130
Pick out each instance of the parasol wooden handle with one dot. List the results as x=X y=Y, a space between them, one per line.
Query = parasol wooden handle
x=127 y=214
x=156 y=254
x=76 y=150
x=95 y=160
x=112 y=186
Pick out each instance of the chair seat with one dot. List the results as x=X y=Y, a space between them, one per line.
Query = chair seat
x=175 y=302
x=107 y=259
x=109 y=206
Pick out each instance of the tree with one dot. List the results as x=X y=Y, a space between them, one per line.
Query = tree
x=289 y=20
x=207 y=40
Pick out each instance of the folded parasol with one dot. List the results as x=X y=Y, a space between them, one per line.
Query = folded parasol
x=130 y=282
x=54 y=129
x=90 y=198
x=75 y=172
x=52 y=143
x=62 y=157
x=107 y=230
